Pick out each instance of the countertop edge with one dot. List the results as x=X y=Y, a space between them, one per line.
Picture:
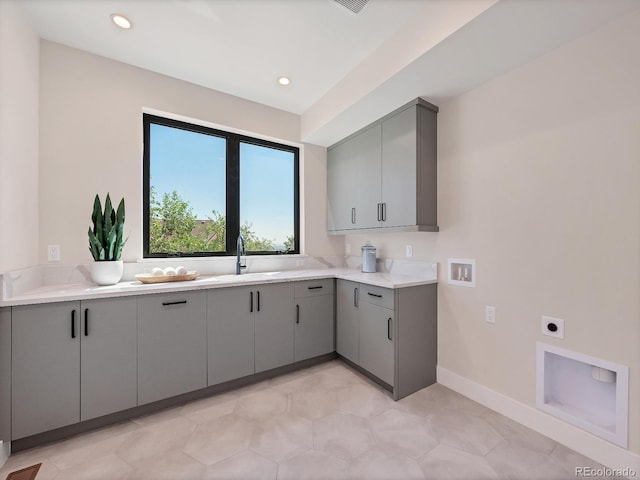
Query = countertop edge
x=76 y=292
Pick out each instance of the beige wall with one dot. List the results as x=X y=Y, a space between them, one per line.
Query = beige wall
x=91 y=142
x=19 y=53
x=539 y=181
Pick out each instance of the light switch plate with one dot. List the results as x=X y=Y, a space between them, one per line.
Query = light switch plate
x=53 y=253
x=489 y=314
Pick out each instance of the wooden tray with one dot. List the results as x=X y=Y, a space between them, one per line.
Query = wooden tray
x=151 y=278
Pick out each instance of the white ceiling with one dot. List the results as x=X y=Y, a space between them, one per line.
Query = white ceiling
x=346 y=69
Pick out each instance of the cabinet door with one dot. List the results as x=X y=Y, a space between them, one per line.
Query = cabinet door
x=341 y=191
x=230 y=332
x=314 y=327
x=5 y=375
x=399 y=149
x=45 y=356
x=375 y=341
x=347 y=319
x=367 y=181
x=274 y=320
x=172 y=345
x=108 y=380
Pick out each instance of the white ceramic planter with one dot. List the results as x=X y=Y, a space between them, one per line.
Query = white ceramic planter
x=107 y=273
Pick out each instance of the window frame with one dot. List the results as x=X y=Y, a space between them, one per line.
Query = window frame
x=232 y=203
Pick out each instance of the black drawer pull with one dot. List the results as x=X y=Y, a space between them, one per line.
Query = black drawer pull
x=178 y=302
x=389 y=328
x=73 y=323
x=355 y=297
x=250 y=302
x=297 y=313
x=258 y=293
x=86 y=322
x=374 y=295
x=317 y=287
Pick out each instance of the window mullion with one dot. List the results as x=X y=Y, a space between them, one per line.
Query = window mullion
x=233 y=193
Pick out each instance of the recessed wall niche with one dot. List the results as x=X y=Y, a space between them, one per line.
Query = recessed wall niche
x=588 y=392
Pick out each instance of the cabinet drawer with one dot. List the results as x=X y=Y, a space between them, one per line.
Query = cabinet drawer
x=314 y=288
x=376 y=295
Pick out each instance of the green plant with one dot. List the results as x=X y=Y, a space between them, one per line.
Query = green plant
x=105 y=239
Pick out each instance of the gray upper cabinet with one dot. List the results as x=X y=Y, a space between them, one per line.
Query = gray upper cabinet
x=231 y=335
x=314 y=327
x=384 y=177
x=45 y=355
x=347 y=319
x=274 y=325
x=172 y=345
x=108 y=379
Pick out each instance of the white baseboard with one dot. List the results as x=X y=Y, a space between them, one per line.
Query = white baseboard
x=5 y=451
x=585 y=443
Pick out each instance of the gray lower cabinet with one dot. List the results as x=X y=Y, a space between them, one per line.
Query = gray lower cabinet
x=45 y=357
x=250 y=330
x=375 y=341
x=230 y=333
x=347 y=319
x=72 y=361
x=314 y=327
x=392 y=334
x=172 y=345
x=274 y=320
x=108 y=356
x=5 y=375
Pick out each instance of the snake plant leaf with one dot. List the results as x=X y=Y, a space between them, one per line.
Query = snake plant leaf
x=111 y=243
x=108 y=223
x=94 y=245
x=97 y=218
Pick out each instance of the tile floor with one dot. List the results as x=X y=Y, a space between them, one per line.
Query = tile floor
x=325 y=422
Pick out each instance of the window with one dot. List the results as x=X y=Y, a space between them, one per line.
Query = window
x=203 y=187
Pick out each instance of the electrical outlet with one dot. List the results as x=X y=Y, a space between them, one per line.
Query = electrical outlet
x=553 y=327
x=53 y=253
x=409 y=250
x=489 y=314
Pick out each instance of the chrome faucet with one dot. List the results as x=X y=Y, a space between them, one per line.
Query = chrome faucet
x=240 y=251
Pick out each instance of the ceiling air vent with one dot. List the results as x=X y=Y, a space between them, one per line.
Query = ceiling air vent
x=354 y=5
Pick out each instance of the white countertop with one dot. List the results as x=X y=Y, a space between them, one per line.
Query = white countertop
x=85 y=291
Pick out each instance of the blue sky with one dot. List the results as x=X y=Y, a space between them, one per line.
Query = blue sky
x=194 y=165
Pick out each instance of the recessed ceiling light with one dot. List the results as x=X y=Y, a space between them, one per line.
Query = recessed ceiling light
x=284 y=81
x=121 y=21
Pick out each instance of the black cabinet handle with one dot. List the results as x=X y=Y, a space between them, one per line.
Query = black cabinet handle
x=379 y=212
x=178 y=302
x=384 y=212
x=258 y=293
x=355 y=297
x=73 y=323
x=353 y=215
x=86 y=322
x=318 y=287
x=389 y=328
x=374 y=295
x=250 y=302
x=297 y=313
